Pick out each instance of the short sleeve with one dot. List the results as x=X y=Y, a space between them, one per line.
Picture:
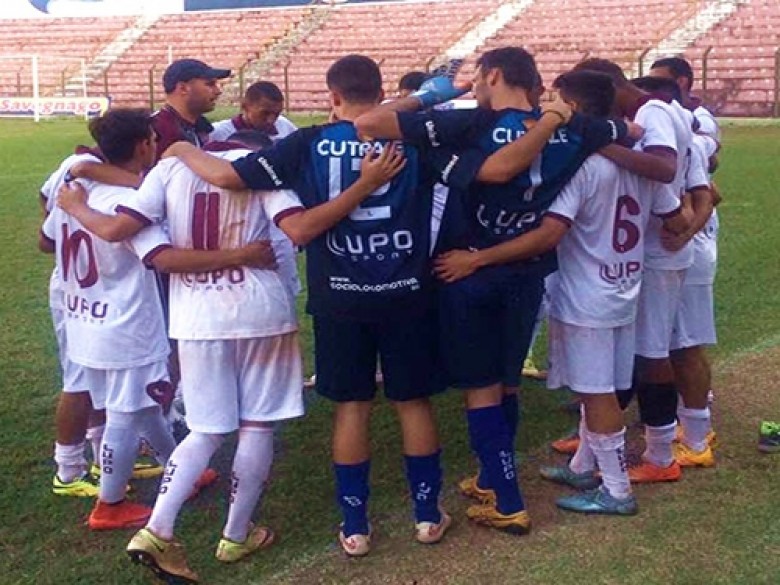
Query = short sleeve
x=147 y=205
x=696 y=174
x=278 y=167
x=567 y=204
x=433 y=129
x=223 y=130
x=664 y=202
x=147 y=243
x=279 y=204
x=49 y=227
x=658 y=124
x=457 y=170
x=597 y=132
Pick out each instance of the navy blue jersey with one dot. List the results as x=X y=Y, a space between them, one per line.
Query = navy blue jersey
x=374 y=264
x=487 y=214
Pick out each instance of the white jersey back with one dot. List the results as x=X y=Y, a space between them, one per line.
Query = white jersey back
x=233 y=303
x=601 y=257
x=113 y=314
x=49 y=195
x=669 y=126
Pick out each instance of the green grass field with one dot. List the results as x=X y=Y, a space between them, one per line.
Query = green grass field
x=716 y=526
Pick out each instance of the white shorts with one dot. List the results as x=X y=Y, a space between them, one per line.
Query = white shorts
x=659 y=299
x=588 y=360
x=229 y=380
x=128 y=390
x=695 y=321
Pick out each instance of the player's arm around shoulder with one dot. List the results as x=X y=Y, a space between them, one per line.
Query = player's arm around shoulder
x=376 y=169
x=259 y=254
x=72 y=198
x=103 y=172
x=216 y=171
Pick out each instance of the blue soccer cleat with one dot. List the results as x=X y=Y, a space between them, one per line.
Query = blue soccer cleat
x=598 y=501
x=564 y=475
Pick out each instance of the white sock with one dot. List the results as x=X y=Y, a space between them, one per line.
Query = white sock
x=251 y=466
x=610 y=452
x=658 y=444
x=583 y=459
x=95 y=437
x=71 y=464
x=710 y=397
x=696 y=425
x=185 y=465
x=154 y=429
x=117 y=455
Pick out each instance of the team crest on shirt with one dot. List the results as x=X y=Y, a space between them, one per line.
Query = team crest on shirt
x=624 y=275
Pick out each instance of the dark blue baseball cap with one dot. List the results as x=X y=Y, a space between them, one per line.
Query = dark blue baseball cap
x=189 y=69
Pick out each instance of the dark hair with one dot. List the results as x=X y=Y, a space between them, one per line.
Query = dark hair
x=118 y=131
x=252 y=139
x=661 y=85
x=604 y=66
x=515 y=63
x=356 y=78
x=412 y=81
x=594 y=91
x=678 y=67
x=263 y=89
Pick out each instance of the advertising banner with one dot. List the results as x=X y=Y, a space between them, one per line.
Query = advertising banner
x=25 y=107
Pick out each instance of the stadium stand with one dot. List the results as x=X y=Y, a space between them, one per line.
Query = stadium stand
x=60 y=44
x=742 y=65
x=273 y=42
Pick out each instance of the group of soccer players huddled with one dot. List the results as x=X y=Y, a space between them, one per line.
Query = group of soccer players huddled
x=433 y=234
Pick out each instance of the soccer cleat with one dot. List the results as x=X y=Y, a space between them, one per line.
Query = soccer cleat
x=687 y=457
x=712 y=437
x=469 y=487
x=207 y=478
x=598 y=501
x=646 y=472
x=258 y=537
x=567 y=445
x=123 y=514
x=80 y=487
x=487 y=515
x=769 y=437
x=141 y=470
x=165 y=558
x=563 y=475
x=433 y=532
x=356 y=545
x=531 y=371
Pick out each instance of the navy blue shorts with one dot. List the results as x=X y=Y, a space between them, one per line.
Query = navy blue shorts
x=345 y=357
x=486 y=324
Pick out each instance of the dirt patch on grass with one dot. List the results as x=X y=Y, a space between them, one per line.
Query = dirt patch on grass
x=710 y=527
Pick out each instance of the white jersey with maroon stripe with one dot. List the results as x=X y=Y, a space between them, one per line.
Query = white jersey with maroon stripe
x=224 y=129
x=233 y=303
x=113 y=315
x=668 y=126
x=601 y=257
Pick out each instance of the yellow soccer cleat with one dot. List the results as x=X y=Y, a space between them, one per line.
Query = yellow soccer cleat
x=469 y=487
x=165 y=558
x=80 y=487
x=141 y=470
x=687 y=457
x=258 y=537
x=487 y=515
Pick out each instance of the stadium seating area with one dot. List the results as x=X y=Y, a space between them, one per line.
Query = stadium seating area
x=740 y=67
x=60 y=43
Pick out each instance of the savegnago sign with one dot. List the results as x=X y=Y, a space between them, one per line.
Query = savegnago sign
x=24 y=107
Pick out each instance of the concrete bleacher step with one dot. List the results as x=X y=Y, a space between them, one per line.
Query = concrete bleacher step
x=111 y=53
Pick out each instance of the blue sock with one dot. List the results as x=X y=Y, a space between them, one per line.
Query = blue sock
x=352 y=496
x=491 y=440
x=424 y=476
x=510 y=404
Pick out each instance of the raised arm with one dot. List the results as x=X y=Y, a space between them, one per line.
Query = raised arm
x=72 y=199
x=382 y=121
x=458 y=264
x=305 y=225
x=654 y=163
x=213 y=170
x=517 y=156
